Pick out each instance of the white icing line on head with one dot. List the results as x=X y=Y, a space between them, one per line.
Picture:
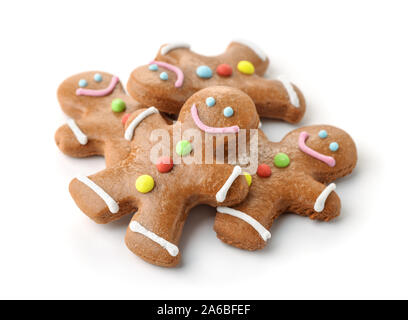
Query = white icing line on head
x=135 y=122
x=321 y=199
x=260 y=53
x=260 y=125
x=110 y=202
x=79 y=135
x=293 y=97
x=265 y=234
x=138 y=228
x=172 y=46
x=222 y=193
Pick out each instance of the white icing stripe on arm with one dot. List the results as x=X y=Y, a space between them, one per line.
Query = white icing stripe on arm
x=138 y=228
x=222 y=193
x=321 y=199
x=131 y=129
x=293 y=97
x=79 y=135
x=110 y=202
x=265 y=234
x=171 y=46
x=260 y=53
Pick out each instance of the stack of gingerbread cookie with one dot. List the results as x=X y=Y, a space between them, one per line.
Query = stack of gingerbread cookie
x=214 y=153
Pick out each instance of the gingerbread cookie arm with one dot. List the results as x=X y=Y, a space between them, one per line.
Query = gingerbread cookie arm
x=105 y=196
x=278 y=99
x=77 y=138
x=308 y=197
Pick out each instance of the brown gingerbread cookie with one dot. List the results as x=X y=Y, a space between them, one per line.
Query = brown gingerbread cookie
x=294 y=175
x=96 y=103
x=176 y=73
x=163 y=188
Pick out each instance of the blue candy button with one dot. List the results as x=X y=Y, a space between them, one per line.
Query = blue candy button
x=98 y=77
x=210 y=101
x=204 y=72
x=334 y=146
x=153 y=67
x=164 y=76
x=323 y=134
x=228 y=112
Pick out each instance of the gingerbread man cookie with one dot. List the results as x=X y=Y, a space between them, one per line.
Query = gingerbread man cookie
x=296 y=176
x=176 y=73
x=98 y=106
x=164 y=190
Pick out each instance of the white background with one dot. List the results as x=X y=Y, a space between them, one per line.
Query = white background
x=348 y=57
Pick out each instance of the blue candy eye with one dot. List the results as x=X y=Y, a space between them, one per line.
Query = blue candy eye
x=228 y=112
x=323 y=134
x=204 y=72
x=210 y=101
x=153 y=67
x=164 y=76
x=82 y=83
x=98 y=77
x=334 y=146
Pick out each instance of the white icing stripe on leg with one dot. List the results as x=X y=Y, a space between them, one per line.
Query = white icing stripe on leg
x=265 y=234
x=138 y=228
x=110 y=202
x=131 y=129
x=260 y=53
x=321 y=199
x=222 y=193
x=79 y=135
x=293 y=97
x=171 y=46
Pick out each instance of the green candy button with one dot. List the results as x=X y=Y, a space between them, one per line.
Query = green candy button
x=118 y=105
x=281 y=160
x=183 y=148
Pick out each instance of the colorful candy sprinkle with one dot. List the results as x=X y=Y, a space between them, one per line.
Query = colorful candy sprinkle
x=246 y=67
x=153 y=67
x=323 y=134
x=183 y=148
x=204 y=72
x=118 y=105
x=98 y=77
x=264 y=171
x=144 y=183
x=248 y=178
x=164 y=164
x=82 y=83
x=334 y=146
x=125 y=118
x=164 y=76
x=281 y=160
x=224 y=70
x=210 y=101
x=228 y=112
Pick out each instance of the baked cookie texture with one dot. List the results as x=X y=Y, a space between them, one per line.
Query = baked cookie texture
x=163 y=191
x=177 y=72
x=96 y=103
x=294 y=175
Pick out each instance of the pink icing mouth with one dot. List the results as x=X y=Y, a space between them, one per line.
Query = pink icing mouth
x=98 y=93
x=330 y=161
x=205 y=128
x=176 y=70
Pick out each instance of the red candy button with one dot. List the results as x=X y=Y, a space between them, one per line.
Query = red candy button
x=125 y=118
x=224 y=70
x=165 y=164
x=264 y=171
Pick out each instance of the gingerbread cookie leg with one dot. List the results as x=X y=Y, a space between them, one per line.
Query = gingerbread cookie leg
x=162 y=220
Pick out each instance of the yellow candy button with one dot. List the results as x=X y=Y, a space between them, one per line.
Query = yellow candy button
x=144 y=183
x=246 y=67
x=248 y=178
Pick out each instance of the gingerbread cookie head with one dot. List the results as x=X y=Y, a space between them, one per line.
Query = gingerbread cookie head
x=163 y=191
x=176 y=73
x=294 y=175
x=97 y=103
